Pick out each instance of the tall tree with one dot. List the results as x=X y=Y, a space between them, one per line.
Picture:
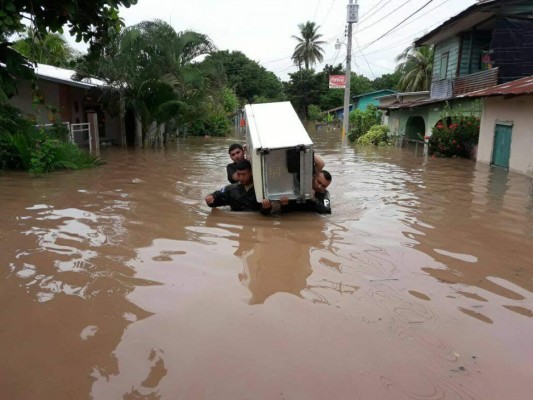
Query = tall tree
x=50 y=48
x=387 y=81
x=89 y=21
x=416 y=68
x=250 y=80
x=303 y=89
x=308 y=50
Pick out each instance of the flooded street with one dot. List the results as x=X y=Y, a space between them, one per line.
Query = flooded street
x=120 y=283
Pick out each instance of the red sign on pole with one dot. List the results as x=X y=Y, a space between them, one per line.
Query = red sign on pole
x=337 y=81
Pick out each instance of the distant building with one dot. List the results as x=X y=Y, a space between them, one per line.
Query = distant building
x=362 y=101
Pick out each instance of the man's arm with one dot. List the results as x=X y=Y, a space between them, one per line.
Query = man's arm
x=218 y=198
x=318 y=163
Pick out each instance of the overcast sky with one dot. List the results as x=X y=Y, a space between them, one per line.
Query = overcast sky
x=263 y=30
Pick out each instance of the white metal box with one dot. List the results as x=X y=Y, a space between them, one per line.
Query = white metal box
x=280 y=150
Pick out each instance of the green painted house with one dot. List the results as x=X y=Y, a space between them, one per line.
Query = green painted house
x=362 y=101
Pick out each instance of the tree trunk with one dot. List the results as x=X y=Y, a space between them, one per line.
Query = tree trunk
x=138 y=131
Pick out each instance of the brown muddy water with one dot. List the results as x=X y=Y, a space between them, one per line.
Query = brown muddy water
x=120 y=283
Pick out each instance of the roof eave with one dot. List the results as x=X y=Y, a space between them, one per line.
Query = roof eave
x=427 y=38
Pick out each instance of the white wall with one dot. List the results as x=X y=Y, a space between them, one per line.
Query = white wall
x=519 y=111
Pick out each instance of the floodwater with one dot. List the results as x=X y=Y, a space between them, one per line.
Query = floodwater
x=120 y=283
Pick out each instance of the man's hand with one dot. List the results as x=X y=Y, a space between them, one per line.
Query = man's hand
x=266 y=204
x=284 y=200
x=209 y=199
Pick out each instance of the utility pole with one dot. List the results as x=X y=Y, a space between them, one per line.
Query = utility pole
x=352 y=17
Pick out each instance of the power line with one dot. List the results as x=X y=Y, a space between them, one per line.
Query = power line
x=392 y=12
x=369 y=67
x=427 y=12
x=329 y=11
x=366 y=16
x=397 y=25
x=316 y=9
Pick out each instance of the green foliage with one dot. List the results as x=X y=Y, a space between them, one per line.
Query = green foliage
x=151 y=67
x=214 y=125
x=416 y=68
x=387 y=81
x=231 y=103
x=90 y=21
x=302 y=90
x=48 y=48
x=377 y=135
x=24 y=146
x=362 y=121
x=315 y=114
x=247 y=77
x=454 y=136
x=360 y=84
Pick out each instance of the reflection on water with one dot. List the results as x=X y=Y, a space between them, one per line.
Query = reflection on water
x=118 y=282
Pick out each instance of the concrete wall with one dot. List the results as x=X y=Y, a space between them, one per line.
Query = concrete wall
x=519 y=111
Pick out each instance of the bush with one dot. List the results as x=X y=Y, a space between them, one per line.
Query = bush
x=315 y=114
x=362 y=121
x=215 y=125
x=455 y=136
x=376 y=135
x=25 y=146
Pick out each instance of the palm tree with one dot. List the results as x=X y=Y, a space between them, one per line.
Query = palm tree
x=151 y=66
x=416 y=68
x=50 y=48
x=308 y=50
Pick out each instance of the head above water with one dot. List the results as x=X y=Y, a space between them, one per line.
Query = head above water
x=321 y=181
x=236 y=152
x=244 y=172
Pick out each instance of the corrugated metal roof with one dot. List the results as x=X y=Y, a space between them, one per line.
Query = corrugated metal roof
x=371 y=93
x=411 y=104
x=516 y=88
x=62 y=75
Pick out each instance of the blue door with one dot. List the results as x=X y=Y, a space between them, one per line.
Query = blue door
x=501 y=151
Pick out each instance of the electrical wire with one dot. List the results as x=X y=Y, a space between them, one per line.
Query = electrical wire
x=364 y=57
x=397 y=25
x=316 y=9
x=364 y=17
x=392 y=12
x=329 y=11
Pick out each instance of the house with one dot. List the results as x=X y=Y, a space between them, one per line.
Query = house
x=412 y=126
x=362 y=101
x=75 y=101
x=506 y=134
x=338 y=112
x=485 y=45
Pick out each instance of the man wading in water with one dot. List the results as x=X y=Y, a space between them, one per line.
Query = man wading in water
x=239 y=196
